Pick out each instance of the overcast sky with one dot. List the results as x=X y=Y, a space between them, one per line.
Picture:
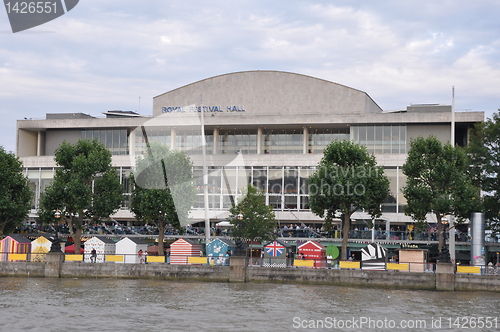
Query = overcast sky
x=109 y=54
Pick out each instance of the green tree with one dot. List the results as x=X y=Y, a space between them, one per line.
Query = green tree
x=484 y=153
x=347 y=179
x=85 y=186
x=253 y=220
x=438 y=183
x=15 y=195
x=164 y=189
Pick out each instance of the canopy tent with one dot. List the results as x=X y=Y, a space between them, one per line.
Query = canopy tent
x=71 y=249
x=224 y=224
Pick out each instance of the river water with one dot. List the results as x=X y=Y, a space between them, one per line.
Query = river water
x=38 y=304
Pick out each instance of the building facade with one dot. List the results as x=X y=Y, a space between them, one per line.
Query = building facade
x=265 y=128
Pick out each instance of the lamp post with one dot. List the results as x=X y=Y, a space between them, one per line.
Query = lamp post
x=238 y=250
x=56 y=243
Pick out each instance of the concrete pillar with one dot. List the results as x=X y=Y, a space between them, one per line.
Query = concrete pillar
x=39 y=144
x=53 y=264
x=173 y=138
x=477 y=246
x=445 y=277
x=238 y=269
x=216 y=141
x=305 y=140
x=132 y=142
x=259 y=140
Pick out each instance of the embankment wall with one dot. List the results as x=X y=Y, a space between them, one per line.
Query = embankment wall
x=343 y=277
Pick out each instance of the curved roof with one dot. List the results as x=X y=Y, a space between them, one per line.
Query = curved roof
x=269 y=92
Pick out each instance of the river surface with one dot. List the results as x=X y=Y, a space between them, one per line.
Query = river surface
x=38 y=304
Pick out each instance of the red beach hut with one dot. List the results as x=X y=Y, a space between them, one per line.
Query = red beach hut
x=14 y=244
x=181 y=249
x=313 y=250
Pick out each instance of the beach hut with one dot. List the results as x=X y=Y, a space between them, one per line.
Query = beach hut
x=313 y=250
x=415 y=258
x=102 y=245
x=39 y=248
x=181 y=249
x=217 y=251
x=14 y=244
x=373 y=257
x=277 y=254
x=129 y=247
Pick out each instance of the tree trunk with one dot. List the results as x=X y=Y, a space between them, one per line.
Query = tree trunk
x=345 y=236
x=76 y=239
x=72 y=234
x=76 y=235
x=161 y=236
x=440 y=232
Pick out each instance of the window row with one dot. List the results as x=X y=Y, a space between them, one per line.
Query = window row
x=285 y=188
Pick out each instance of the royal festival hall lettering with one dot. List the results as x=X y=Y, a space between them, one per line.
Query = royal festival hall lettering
x=186 y=109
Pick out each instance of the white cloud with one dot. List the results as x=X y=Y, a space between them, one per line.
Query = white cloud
x=105 y=54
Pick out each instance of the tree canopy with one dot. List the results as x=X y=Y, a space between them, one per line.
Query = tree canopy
x=15 y=195
x=484 y=153
x=85 y=186
x=438 y=183
x=164 y=189
x=253 y=220
x=347 y=179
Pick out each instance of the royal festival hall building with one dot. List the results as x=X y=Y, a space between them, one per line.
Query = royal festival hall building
x=267 y=128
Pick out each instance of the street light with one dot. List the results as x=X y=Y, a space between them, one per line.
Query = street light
x=238 y=250
x=56 y=243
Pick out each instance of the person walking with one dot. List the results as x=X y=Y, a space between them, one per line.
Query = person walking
x=329 y=261
x=140 y=256
x=93 y=256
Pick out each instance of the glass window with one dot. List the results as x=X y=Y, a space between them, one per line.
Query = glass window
x=304 y=203
x=229 y=181
x=282 y=141
x=304 y=183
x=238 y=141
x=291 y=180
x=259 y=178
x=391 y=201
x=275 y=180
x=401 y=198
x=381 y=139
x=290 y=202
x=275 y=202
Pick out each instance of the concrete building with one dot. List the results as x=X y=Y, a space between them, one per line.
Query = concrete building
x=267 y=128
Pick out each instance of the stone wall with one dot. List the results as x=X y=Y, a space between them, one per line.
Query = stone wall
x=379 y=279
x=386 y=279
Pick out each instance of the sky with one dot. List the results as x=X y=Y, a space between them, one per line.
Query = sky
x=119 y=54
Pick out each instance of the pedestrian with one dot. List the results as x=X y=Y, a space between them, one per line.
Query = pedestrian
x=329 y=261
x=93 y=256
x=140 y=256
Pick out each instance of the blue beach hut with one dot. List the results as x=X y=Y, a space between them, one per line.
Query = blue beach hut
x=217 y=251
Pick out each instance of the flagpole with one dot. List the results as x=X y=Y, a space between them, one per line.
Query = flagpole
x=205 y=174
x=451 y=221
